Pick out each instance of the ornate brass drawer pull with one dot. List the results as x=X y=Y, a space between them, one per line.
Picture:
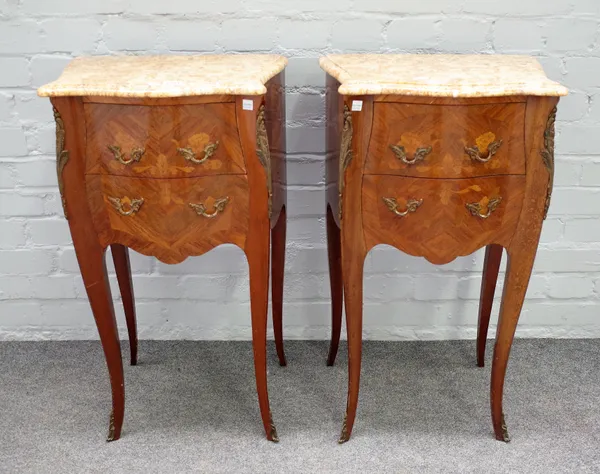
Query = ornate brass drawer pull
x=219 y=206
x=475 y=154
x=133 y=205
x=411 y=206
x=135 y=155
x=420 y=154
x=190 y=155
x=475 y=208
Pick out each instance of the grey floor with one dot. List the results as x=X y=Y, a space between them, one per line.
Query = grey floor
x=191 y=407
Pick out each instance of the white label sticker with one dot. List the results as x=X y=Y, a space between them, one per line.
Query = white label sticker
x=247 y=104
x=356 y=105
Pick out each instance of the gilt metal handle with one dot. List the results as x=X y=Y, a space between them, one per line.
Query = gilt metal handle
x=475 y=208
x=219 y=206
x=476 y=155
x=411 y=206
x=133 y=206
x=134 y=156
x=419 y=155
x=190 y=155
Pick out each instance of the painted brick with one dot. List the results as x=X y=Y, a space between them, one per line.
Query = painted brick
x=517 y=36
x=580 y=37
x=37 y=173
x=300 y=34
x=573 y=107
x=15 y=72
x=207 y=297
x=581 y=72
x=305 y=139
x=70 y=34
x=357 y=35
x=567 y=171
x=6 y=176
x=31 y=108
x=465 y=35
x=45 y=69
x=302 y=107
x=13 y=234
x=12 y=204
x=130 y=35
x=307 y=172
x=17 y=37
x=13 y=142
x=25 y=262
x=590 y=175
x=6 y=107
x=304 y=72
x=413 y=34
x=582 y=230
x=50 y=232
x=587 y=202
x=577 y=139
x=248 y=34
x=306 y=203
x=184 y=35
x=180 y=7
x=416 y=8
x=58 y=7
x=570 y=286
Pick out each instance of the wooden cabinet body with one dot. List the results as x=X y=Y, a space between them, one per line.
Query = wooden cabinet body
x=174 y=177
x=436 y=177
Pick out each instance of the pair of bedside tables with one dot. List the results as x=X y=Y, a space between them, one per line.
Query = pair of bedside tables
x=174 y=155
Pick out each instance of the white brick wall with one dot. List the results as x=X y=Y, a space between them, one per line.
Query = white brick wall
x=41 y=293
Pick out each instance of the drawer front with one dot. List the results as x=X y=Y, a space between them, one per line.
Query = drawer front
x=441 y=219
x=175 y=141
x=170 y=219
x=447 y=141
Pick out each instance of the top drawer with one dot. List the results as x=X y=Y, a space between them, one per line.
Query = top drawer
x=447 y=141
x=167 y=141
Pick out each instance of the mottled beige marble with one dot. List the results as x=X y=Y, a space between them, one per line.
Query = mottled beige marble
x=166 y=76
x=440 y=75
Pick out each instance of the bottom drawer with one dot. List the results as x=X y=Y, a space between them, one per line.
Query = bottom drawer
x=440 y=219
x=170 y=219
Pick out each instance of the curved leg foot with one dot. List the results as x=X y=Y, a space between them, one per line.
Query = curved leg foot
x=120 y=255
x=491 y=267
x=278 y=270
x=334 y=252
x=518 y=272
x=352 y=269
x=93 y=270
x=258 y=263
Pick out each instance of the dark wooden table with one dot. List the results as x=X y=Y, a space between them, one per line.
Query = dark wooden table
x=173 y=177
x=437 y=177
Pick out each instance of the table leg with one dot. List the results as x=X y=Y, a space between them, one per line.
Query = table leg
x=518 y=272
x=120 y=255
x=278 y=269
x=352 y=271
x=258 y=263
x=334 y=252
x=93 y=270
x=491 y=267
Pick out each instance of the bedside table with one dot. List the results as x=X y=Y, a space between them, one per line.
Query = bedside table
x=438 y=156
x=172 y=156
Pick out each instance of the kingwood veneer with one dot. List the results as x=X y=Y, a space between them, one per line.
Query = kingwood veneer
x=438 y=156
x=173 y=156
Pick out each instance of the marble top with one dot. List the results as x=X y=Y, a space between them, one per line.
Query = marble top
x=166 y=76
x=440 y=75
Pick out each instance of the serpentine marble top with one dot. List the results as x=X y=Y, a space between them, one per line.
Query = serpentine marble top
x=166 y=76
x=440 y=75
